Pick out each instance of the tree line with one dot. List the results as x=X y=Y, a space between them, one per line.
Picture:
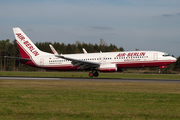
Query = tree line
x=8 y=48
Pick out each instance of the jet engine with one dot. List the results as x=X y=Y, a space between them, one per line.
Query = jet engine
x=108 y=68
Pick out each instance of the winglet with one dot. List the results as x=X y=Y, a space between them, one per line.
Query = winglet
x=53 y=50
x=85 y=52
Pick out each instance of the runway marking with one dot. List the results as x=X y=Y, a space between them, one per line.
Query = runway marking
x=93 y=79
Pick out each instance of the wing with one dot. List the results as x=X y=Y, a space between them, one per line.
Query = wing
x=81 y=63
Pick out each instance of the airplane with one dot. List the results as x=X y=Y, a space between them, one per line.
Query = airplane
x=95 y=62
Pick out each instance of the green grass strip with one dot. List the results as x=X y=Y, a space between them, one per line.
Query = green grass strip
x=85 y=75
x=54 y=100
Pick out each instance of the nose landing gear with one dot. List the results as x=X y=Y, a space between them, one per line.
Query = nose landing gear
x=91 y=74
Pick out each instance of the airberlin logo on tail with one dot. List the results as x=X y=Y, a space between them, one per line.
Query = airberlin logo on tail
x=28 y=45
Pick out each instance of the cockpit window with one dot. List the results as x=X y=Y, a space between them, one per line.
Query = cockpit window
x=165 y=55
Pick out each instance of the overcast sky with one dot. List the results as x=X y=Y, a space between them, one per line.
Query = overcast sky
x=131 y=24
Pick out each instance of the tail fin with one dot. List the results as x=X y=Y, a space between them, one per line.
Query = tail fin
x=26 y=46
x=53 y=50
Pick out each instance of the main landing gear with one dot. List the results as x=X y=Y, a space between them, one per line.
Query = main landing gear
x=91 y=74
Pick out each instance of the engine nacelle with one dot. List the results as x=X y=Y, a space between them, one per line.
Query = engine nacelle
x=108 y=68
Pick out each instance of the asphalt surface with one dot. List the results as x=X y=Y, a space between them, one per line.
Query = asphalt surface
x=93 y=79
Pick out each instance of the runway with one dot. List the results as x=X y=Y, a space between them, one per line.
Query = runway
x=93 y=79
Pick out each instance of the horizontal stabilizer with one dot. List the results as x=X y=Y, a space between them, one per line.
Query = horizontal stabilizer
x=18 y=58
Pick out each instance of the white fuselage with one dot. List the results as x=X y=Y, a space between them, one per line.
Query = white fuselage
x=129 y=59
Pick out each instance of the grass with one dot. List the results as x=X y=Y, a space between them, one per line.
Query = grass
x=85 y=75
x=54 y=100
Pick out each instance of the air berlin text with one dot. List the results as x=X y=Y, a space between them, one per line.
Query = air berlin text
x=28 y=45
x=131 y=54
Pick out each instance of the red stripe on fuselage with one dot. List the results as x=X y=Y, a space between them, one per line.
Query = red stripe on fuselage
x=61 y=67
x=143 y=64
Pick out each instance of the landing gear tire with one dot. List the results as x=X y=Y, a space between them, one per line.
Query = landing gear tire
x=96 y=74
x=91 y=74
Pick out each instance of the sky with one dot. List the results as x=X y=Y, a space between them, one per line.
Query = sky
x=131 y=24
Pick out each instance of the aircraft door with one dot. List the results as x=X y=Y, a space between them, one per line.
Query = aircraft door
x=42 y=61
x=155 y=56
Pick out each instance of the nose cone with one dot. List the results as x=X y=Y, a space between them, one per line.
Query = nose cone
x=173 y=59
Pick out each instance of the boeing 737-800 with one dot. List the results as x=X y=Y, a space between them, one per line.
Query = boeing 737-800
x=105 y=62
